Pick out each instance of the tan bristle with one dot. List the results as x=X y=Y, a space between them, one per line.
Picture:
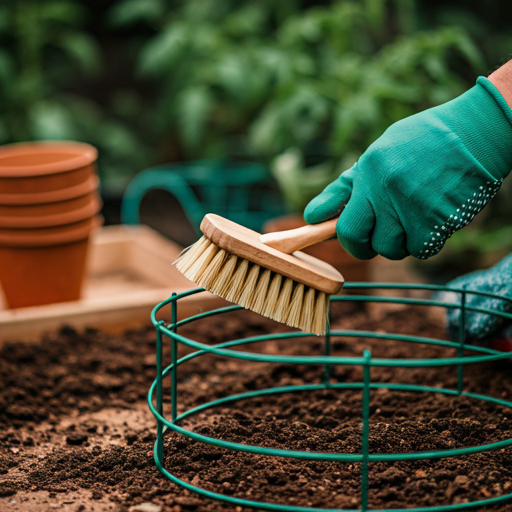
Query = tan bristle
x=296 y=306
x=237 y=283
x=272 y=296
x=260 y=293
x=308 y=309
x=210 y=273
x=188 y=258
x=320 y=317
x=253 y=287
x=222 y=283
x=201 y=264
x=282 y=305
x=249 y=286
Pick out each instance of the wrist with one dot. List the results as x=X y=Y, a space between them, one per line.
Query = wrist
x=502 y=80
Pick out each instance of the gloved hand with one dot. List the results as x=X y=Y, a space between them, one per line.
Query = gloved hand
x=427 y=176
x=496 y=280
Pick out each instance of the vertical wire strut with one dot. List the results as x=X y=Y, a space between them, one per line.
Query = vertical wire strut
x=174 y=353
x=159 y=394
x=366 y=429
x=462 y=339
x=327 y=348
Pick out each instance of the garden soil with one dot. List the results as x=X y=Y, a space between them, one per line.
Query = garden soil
x=76 y=433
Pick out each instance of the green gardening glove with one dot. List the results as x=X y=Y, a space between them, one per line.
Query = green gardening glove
x=427 y=176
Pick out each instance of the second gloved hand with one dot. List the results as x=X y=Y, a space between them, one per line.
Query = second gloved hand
x=425 y=177
x=497 y=281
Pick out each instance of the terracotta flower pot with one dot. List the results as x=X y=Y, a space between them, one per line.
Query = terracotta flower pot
x=50 y=214
x=53 y=196
x=43 y=266
x=330 y=251
x=53 y=235
x=35 y=167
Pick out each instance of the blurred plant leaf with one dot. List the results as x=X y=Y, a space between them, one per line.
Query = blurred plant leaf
x=406 y=14
x=248 y=19
x=264 y=134
x=376 y=12
x=7 y=68
x=193 y=112
x=469 y=50
x=84 y=49
x=51 y=120
x=5 y=18
x=160 y=53
x=129 y=12
x=299 y=183
x=65 y=12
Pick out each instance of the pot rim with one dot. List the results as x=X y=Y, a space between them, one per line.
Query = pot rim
x=52 y=196
x=54 y=219
x=80 y=154
x=11 y=209
x=75 y=232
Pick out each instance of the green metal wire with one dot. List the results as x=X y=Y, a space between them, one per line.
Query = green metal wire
x=462 y=339
x=327 y=352
x=225 y=349
x=159 y=394
x=174 y=355
x=366 y=430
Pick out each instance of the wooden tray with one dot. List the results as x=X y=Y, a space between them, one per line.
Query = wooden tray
x=129 y=273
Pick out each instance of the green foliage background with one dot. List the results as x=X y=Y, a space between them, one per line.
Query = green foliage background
x=155 y=80
x=152 y=81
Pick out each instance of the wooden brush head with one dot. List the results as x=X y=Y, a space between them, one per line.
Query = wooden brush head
x=245 y=243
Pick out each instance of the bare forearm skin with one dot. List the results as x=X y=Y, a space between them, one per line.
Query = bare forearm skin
x=502 y=80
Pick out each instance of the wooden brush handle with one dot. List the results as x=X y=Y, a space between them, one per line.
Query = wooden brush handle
x=296 y=239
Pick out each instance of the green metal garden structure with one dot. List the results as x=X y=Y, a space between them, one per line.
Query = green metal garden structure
x=479 y=354
x=243 y=192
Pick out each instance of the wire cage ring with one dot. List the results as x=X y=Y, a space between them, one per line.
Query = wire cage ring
x=365 y=361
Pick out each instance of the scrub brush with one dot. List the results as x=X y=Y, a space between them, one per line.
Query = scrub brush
x=265 y=273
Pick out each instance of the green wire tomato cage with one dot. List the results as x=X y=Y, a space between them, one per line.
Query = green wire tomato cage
x=326 y=360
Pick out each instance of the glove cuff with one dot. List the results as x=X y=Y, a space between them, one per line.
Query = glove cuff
x=496 y=95
x=483 y=121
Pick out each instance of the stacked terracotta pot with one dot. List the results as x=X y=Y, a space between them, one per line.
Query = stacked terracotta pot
x=49 y=206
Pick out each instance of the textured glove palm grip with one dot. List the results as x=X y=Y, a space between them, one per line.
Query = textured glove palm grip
x=459 y=219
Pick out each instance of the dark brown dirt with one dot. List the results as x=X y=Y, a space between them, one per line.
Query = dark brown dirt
x=76 y=434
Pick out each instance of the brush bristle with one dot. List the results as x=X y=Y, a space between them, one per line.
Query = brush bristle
x=237 y=284
x=272 y=296
x=321 y=315
x=296 y=306
x=223 y=281
x=254 y=287
x=207 y=278
x=191 y=254
x=260 y=292
x=282 y=306
x=199 y=264
x=308 y=308
x=249 y=286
